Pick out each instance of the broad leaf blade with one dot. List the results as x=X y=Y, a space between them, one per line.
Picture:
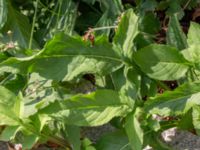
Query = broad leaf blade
x=175 y=35
x=115 y=140
x=176 y=102
x=92 y=109
x=161 y=62
x=193 y=34
x=134 y=130
x=126 y=32
x=192 y=54
x=8 y=103
x=9 y=133
x=196 y=118
x=65 y=58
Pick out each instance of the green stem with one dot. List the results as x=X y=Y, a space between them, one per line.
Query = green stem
x=186 y=5
x=43 y=5
x=33 y=25
x=103 y=28
x=54 y=139
x=59 y=11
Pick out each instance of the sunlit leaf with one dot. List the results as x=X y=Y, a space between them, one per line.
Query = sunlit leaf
x=92 y=109
x=176 y=102
x=126 y=32
x=134 y=130
x=161 y=62
x=175 y=35
x=193 y=34
x=73 y=55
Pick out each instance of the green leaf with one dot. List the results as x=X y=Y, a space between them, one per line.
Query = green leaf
x=192 y=54
x=186 y=122
x=161 y=62
x=65 y=58
x=9 y=133
x=14 y=83
x=29 y=141
x=175 y=35
x=134 y=130
x=175 y=102
x=3 y=13
x=116 y=140
x=92 y=109
x=142 y=40
x=126 y=32
x=174 y=8
x=148 y=5
x=132 y=83
x=193 y=34
x=38 y=90
x=87 y=145
x=153 y=139
x=19 y=25
x=64 y=22
x=73 y=135
x=118 y=79
x=196 y=118
x=8 y=104
x=104 y=15
x=148 y=23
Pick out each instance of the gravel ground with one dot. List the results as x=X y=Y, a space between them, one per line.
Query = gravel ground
x=181 y=140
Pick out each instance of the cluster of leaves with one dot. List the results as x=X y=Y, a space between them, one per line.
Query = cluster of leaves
x=43 y=59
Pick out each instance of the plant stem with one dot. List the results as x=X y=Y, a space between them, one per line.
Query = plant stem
x=43 y=5
x=57 y=140
x=103 y=28
x=33 y=25
x=186 y=5
x=59 y=11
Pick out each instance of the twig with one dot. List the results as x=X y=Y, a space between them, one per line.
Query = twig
x=186 y=5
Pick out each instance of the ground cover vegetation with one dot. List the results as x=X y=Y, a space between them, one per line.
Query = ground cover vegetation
x=142 y=58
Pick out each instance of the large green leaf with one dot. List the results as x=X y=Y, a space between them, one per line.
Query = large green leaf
x=9 y=133
x=196 y=118
x=116 y=140
x=192 y=54
x=193 y=34
x=175 y=35
x=73 y=133
x=134 y=130
x=161 y=62
x=65 y=57
x=14 y=83
x=175 y=102
x=3 y=13
x=126 y=32
x=9 y=107
x=92 y=109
